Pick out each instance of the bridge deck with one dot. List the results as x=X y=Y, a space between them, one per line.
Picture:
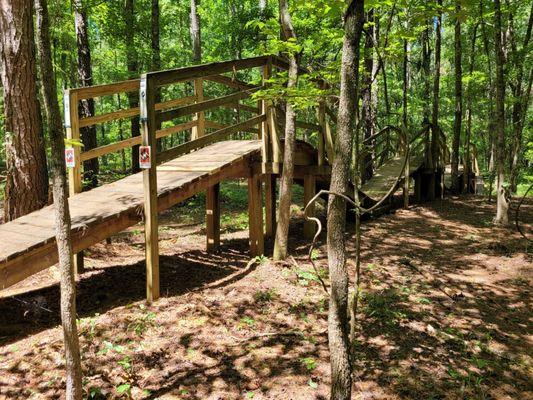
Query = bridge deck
x=27 y=244
x=386 y=175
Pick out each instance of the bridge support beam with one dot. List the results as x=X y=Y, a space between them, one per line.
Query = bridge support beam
x=270 y=205
x=309 y=192
x=255 y=216
x=212 y=218
x=151 y=223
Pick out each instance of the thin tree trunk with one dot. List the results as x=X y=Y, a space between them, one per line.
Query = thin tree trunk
x=62 y=214
x=490 y=125
x=519 y=104
x=367 y=94
x=132 y=65
x=458 y=115
x=435 y=162
x=282 y=229
x=469 y=94
x=156 y=56
x=88 y=134
x=26 y=187
x=426 y=72
x=338 y=326
x=502 y=206
x=196 y=36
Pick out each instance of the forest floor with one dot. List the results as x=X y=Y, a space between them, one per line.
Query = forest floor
x=445 y=313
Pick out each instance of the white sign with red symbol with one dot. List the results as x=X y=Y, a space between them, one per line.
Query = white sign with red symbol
x=70 y=160
x=145 y=159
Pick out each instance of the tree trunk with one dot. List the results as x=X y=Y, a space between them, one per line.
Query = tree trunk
x=282 y=229
x=458 y=115
x=196 y=37
x=88 y=134
x=426 y=71
x=502 y=206
x=26 y=187
x=520 y=103
x=133 y=71
x=367 y=96
x=61 y=208
x=469 y=94
x=435 y=115
x=338 y=329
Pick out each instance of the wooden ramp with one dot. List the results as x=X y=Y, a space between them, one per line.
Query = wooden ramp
x=28 y=246
x=386 y=175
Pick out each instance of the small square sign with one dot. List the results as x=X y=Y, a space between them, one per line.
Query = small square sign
x=145 y=159
x=70 y=159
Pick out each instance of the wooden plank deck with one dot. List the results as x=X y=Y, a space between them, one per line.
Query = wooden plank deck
x=27 y=244
x=386 y=175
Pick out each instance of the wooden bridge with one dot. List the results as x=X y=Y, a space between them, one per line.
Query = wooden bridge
x=248 y=147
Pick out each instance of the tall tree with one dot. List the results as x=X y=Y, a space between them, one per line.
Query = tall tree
x=367 y=92
x=132 y=65
x=156 y=48
x=26 y=187
x=458 y=115
x=196 y=36
x=520 y=97
x=285 y=191
x=436 y=94
x=85 y=78
x=469 y=104
x=502 y=205
x=338 y=328
x=61 y=208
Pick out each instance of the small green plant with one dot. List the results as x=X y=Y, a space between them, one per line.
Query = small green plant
x=309 y=363
x=312 y=384
x=248 y=321
x=265 y=296
x=124 y=389
x=141 y=324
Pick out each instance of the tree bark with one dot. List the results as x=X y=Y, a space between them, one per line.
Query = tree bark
x=458 y=115
x=196 y=36
x=88 y=134
x=426 y=70
x=61 y=209
x=26 y=187
x=285 y=192
x=338 y=328
x=502 y=206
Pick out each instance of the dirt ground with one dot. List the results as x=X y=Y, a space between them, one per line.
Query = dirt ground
x=444 y=314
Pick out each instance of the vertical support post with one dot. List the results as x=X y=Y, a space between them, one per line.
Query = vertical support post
x=72 y=125
x=270 y=205
x=309 y=193
x=264 y=108
x=212 y=217
x=418 y=187
x=199 y=130
x=255 y=215
x=407 y=172
x=148 y=124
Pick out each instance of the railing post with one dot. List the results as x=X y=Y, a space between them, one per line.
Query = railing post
x=266 y=150
x=199 y=130
x=72 y=125
x=212 y=217
x=407 y=172
x=148 y=124
x=255 y=215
